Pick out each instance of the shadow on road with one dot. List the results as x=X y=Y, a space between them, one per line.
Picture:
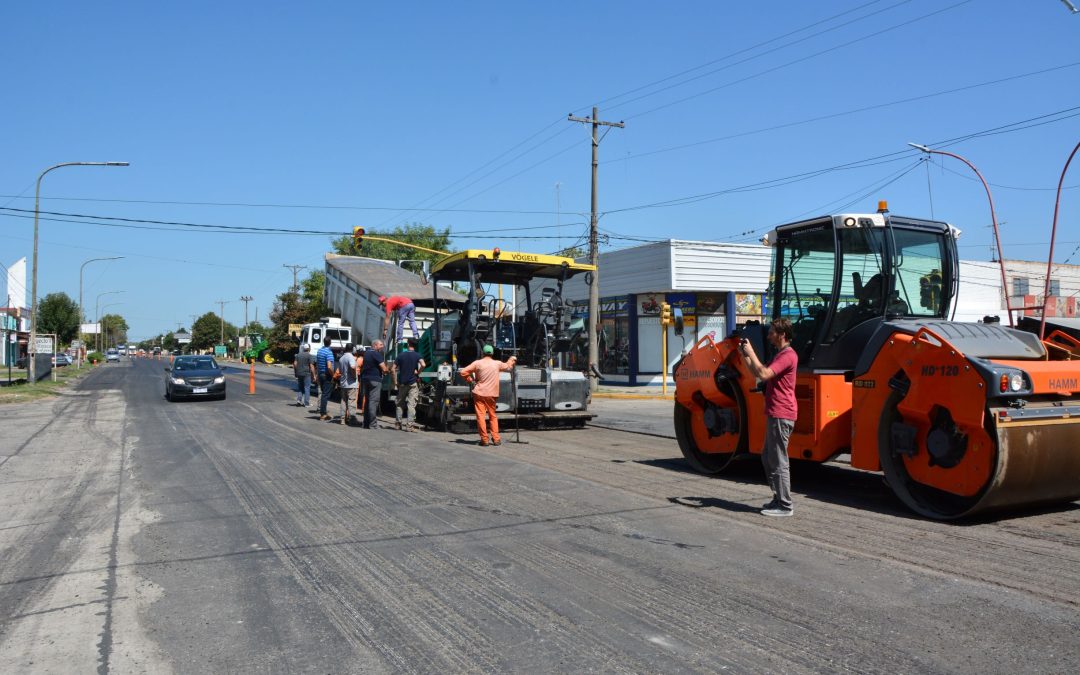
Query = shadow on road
x=833 y=484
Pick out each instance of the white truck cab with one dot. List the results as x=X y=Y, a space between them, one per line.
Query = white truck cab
x=314 y=333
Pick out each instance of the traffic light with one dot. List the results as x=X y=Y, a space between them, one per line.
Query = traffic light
x=665 y=314
x=358 y=237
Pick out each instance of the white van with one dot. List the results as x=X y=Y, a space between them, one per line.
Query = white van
x=313 y=334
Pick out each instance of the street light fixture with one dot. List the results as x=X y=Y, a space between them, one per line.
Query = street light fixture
x=993 y=218
x=32 y=348
x=1053 y=234
x=97 y=314
x=116 y=257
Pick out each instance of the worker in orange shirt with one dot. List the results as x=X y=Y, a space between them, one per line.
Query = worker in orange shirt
x=484 y=373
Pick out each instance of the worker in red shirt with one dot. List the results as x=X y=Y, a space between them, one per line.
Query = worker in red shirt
x=781 y=411
x=406 y=311
x=485 y=373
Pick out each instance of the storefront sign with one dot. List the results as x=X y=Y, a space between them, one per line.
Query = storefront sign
x=711 y=303
x=614 y=306
x=684 y=301
x=649 y=304
x=748 y=304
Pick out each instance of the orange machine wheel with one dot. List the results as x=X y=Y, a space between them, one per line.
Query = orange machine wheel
x=705 y=450
x=925 y=499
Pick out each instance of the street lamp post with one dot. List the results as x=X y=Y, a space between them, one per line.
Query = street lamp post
x=97 y=315
x=117 y=257
x=1053 y=234
x=32 y=349
x=993 y=218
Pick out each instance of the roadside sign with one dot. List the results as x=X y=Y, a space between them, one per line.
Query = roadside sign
x=182 y=338
x=220 y=350
x=75 y=344
x=43 y=345
x=295 y=329
x=90 y=328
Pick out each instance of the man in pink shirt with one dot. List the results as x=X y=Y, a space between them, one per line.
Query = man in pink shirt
x=781 y=411
x=406 y=311
x=485 y=373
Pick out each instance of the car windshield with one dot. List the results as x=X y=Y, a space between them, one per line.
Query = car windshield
x=206 y=363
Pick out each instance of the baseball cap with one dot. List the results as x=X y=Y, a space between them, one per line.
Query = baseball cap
x=488 y=349
x=305 y=347
x=382 y=299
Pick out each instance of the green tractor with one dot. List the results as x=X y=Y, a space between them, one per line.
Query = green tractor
x=259 y=351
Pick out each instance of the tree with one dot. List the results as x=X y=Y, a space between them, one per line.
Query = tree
x=59 y=314
x=312 y=291
x=415 y=233
x=114 y=328
x=574 y=252
x=206 y=331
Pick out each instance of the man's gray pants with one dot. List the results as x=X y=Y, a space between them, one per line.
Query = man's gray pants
x=373 y=394
x=407 y=396
x=774 y=458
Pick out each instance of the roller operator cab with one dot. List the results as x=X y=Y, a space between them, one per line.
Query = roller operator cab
x=529 y=320
x=960 y=417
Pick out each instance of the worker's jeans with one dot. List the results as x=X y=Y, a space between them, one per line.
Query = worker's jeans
x=303 y=389
x=774 y=457
x=406 y=313
x=407 y=395
x=485 y=406
x=326 y=389
x=372 y=394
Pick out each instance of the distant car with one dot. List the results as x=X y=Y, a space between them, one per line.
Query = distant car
x=194 y=377
x=111 y=354
x=157 y=350
x=62 y=360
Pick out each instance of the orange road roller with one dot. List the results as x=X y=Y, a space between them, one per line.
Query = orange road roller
x=962 y=418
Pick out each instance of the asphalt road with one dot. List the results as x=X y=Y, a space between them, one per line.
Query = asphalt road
x=243 y=535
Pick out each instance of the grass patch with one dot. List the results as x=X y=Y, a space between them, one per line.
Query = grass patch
x=21 y=393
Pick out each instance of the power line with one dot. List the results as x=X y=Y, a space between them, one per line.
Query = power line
x=853 y=111
x=870 y=161
x=843 y=45
x=735 y=53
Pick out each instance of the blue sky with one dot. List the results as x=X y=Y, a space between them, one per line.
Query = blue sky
x=322 y=116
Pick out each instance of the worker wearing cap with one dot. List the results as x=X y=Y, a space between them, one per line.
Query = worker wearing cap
x=484 y=373
x=406 y=311
x=304 y=369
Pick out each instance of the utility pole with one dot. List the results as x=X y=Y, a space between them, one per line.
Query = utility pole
x=594 y=251
x=247 y=335
x=222 y=303
x=295 y=269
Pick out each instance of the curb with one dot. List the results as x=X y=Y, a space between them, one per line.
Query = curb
x=637 y=397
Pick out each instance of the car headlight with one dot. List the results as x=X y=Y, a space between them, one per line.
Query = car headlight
x=178 y=380
x=219 y=380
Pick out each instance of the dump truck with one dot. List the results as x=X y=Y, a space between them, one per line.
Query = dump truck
x=961 y=418
x=532 y=322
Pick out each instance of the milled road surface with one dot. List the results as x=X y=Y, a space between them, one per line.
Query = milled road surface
x=139 y=535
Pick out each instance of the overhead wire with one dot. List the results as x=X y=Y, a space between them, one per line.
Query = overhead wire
x=735 y=53
x=853 y=111
x=843 y=45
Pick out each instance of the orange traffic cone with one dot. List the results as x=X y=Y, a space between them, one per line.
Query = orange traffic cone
x=251 y=378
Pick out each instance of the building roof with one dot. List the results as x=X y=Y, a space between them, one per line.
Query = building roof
x=383 y=277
